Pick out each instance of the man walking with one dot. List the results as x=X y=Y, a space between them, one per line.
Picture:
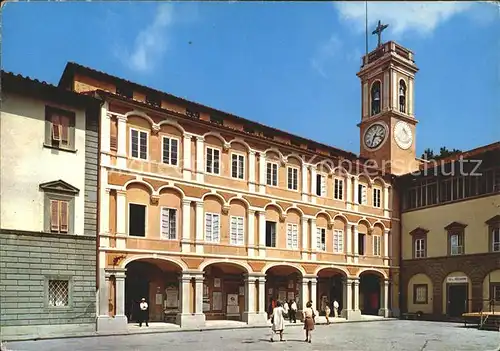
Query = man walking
x=293 y=311
x=144 y=312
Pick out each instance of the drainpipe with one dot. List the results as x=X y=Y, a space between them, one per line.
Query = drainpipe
x=400 y=292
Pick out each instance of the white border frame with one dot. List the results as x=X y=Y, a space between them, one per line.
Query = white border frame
x=277 y=174
x=163 y=136
x=298 y=174
x=238 y=153
x=206 y=160
x=139 y=145
x=176 y=223
x=205 y=227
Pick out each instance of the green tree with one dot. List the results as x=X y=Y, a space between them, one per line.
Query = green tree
x=443 y=152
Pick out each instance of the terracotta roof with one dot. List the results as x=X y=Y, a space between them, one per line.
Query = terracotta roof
x=72 y=68
x=29 y=86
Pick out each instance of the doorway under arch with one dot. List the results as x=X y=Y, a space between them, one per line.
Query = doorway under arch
x=157 y=281
x=330 y=288
x=283 y=283
x=370 y=284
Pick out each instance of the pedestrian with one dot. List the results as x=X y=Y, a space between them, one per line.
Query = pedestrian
x=293 y=311
x=278 y=321
x=309 y=316
x=335 y=309
x=327 y=311
x=286 y=308
x=144 y=312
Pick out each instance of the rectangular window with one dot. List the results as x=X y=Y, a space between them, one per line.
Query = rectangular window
x=293 y=174
x=238 y=166
x=59 y=216
x=272 y=174
x=377 y=196
x=420 y=248
x=456 y=244
x=237 y=231
x=212 y=227
x=362 y=194
x=168 y=223
x=270 y=234
x=139 y=144
x=338 y=241
x=361 y=244
x=495 y=293
x=321 y=239
x=432 y=194
x=320 y=185
x=338 y=191
x=495 y=237
x=59 y=128
x=377 y=245
x=420 y=293
x=170 y=151
x=58 y=293
x=445 y=190
x=137 y=220
x=213 y=160
x=292 y=236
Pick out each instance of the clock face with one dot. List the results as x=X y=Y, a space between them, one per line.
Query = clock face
x=403 y=135
x=375 y=135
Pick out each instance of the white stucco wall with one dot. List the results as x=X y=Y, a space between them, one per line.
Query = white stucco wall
x=25 y=164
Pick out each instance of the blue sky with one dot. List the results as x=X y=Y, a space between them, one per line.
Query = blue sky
x=289 y=65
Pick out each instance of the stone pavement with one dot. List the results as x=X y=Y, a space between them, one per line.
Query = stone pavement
x=392 y=335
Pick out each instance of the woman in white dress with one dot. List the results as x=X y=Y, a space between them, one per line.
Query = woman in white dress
x=278 y=321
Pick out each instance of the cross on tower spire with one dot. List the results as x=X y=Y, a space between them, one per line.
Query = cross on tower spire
x=380 y=28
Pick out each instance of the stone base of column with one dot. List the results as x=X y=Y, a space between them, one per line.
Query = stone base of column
x=188 y=320
x=351 y=315
x=111 y=324
x=384 y=312
x=255 y=318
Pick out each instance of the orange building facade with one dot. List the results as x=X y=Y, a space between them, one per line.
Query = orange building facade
x=210 y=216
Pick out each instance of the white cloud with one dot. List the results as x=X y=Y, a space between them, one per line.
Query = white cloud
x=409 y=16
x=325 y=53
x=152 y=42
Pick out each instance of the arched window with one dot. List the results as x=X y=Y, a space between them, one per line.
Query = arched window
x=402 y=96
x=375 y=95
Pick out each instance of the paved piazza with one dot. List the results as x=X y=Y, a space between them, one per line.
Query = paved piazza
x=377 y=336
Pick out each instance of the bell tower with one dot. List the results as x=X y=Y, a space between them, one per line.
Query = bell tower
x=387 y=127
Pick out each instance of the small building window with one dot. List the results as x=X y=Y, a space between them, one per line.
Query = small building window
x=456 y=232
x=292 y=236
x=338 y=241
x=58 y=293
x=420 y=292
x=377 y=240
x=293 y=174
x=420 y=248
x=237 y=166
x=192 y=114
x=137 y=220
x=237 y=233
x=213 y=160
x=375 y=98
x=124 y=91
x=272 y=174
x=494 y=230
x=402 y=96
x=59 y=128
x=362 y=199
x=338 y=189
x=168 y=223
x=271 y=234
x=320 y=185
x=361 y=244
x=170 y=151
x=212 y=227
x=216 y=120
x=138 y=144
x=377 y=196
x=59 y=206
x=419 y=240
x=321 y=239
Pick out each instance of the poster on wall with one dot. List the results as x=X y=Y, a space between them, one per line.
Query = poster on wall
x=291 y=295
x=217 y=301
x=158 y=299
x=290 y=284
x=282 y=295
x=216 y=282
x=172 y=299
x=242 y=290
x=232 y=304
x=206 y=298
